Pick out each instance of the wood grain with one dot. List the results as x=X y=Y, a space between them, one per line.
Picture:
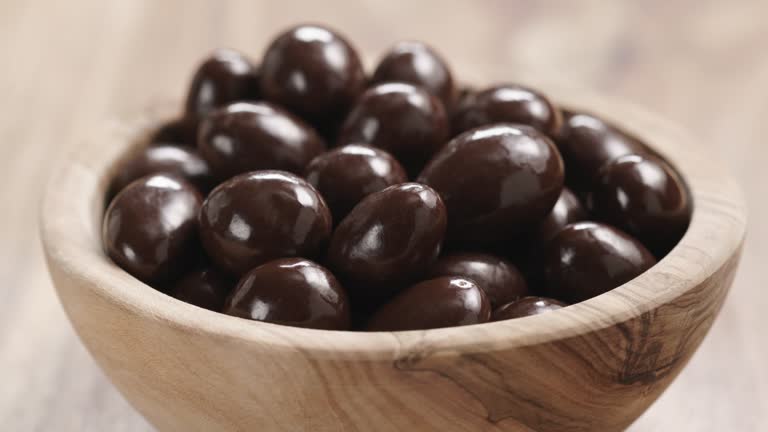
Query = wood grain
x=70 y=64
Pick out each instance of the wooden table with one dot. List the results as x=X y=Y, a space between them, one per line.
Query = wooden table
x=67 y=65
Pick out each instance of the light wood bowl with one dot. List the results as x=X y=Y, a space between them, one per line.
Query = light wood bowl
x=596 y=365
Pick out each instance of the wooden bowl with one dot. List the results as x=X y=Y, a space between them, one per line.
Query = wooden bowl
x=596 y=365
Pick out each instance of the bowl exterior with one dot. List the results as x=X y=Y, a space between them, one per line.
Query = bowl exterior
x=183 y=380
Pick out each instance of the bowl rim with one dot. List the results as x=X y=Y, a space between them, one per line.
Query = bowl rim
x=70 y=223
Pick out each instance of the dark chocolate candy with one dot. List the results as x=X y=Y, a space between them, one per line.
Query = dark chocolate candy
x=446 y=301
x=403 y=119
x=346 y=175
x=262 y=215
x=497 y=181
x=169 y=159
x=567 y=210
x=314 y=72
x=507 y=103
x=224 y=77
x=587 y=259
x=291 y=291
x=150 y=228
x=526 y=306
x=644 y=196
x=245 y=136
x=501 y=281
x=206 y=288
x=418 y=64
x=587 y=142
x=388 y=239
x=181 y=131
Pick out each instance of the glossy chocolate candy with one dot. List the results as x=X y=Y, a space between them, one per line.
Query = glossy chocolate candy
x=150 y=228
x=587 y=142
x=403 y=119
x=181 y=132
x=497 y=181
x=587 y=259
x=314 y=72
x=526 y=306
x=259 y=216
x=567 y=210
x=182 y=161
x=501 y=281
x=435 y=303
x=244 y=137
x=291 y=291
x=507 y=103
x=644 y=196
x=346 y=175
x=418 y=64
x=224 y=77
x=207 y=288
x=387 y=240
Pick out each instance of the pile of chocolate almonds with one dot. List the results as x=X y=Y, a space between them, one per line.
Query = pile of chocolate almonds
x=303 y=191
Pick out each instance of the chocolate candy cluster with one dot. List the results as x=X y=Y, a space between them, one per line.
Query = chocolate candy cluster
x=303 y=191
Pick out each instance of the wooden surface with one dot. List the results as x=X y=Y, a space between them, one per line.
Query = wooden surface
x=67 y=65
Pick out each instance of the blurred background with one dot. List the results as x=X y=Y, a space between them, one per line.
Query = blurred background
x=68 y=65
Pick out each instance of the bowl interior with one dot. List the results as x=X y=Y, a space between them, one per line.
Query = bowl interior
x=74 y=203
